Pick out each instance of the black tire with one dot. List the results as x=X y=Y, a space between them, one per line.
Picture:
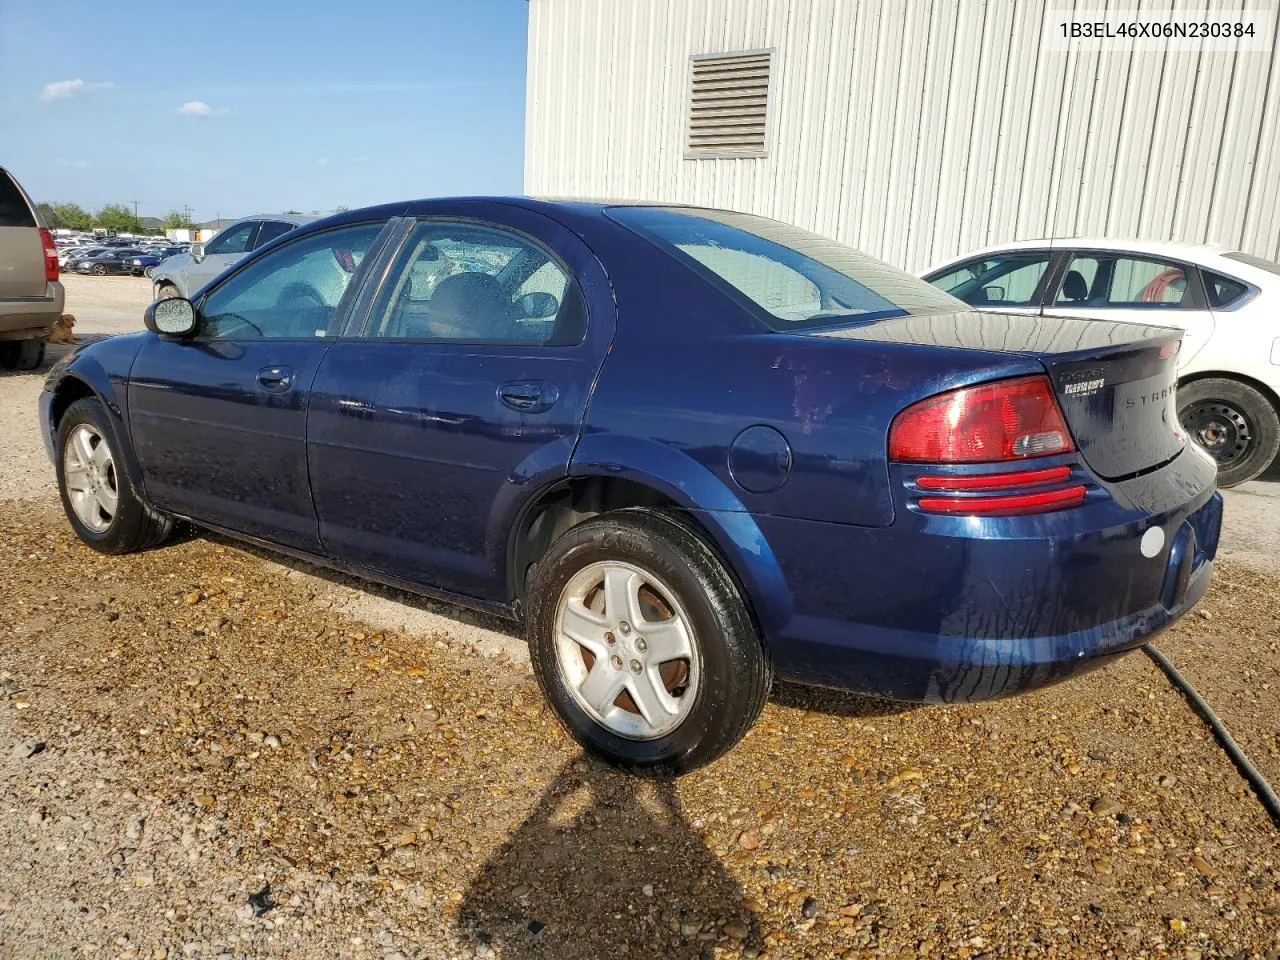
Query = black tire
x=736 y=673
x=135 y=525
x=99 y=270
x=22 y=354
x=1235 y=423
x=167 y=291
x=148 y=272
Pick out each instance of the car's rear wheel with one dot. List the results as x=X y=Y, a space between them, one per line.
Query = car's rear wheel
x=643 y=644
x=22 y=354
x=97 y=495
x=99 y=270
x=1234 y=423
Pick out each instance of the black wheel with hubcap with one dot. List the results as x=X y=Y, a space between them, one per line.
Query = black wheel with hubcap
x=643 y=644
x=1234 y=423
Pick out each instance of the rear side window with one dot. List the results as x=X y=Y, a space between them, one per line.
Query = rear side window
x=270 y=230
x=14 y=211
x=465 y=282
x=1222 y=291
x=1099 y=280
x=790 y=277
x=1000 y=280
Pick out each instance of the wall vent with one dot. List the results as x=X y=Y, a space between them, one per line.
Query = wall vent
x=729 y=104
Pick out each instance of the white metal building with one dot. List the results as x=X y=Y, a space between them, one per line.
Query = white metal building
x=913 y=129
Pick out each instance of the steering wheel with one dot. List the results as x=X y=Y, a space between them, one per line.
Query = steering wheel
x=307 y=312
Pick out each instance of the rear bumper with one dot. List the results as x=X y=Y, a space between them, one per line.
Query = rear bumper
x=31 y=317
x=958 y=609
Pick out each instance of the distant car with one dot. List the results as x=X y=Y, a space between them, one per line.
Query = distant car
x=69 y=259
x=111 y=261
x=188 y=272
x=1225 y=301
x=31 y=297
x=145 y=264
x=689 y=448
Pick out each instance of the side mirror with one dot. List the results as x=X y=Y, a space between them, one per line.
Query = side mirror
x=172 y=318
x=535 y=305
x=197 y=252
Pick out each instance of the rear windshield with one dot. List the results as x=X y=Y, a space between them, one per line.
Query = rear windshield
x=14 y=211
x=790 y=277
x=1268 y=265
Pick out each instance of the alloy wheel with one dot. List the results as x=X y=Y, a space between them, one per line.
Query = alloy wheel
x=626 y=650
x=89 y=472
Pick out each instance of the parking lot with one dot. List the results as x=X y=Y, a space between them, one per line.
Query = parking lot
x=216 y=752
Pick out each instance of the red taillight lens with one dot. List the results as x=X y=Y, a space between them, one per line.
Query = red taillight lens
x=50 y=255
x=989 y=423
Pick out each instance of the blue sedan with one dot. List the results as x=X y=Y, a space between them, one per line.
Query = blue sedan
x=690 y=449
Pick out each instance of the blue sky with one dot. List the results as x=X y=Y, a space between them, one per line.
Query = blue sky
x=237 y=107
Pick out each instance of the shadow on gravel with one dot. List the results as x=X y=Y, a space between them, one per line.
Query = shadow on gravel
x=438 y=607
x=605 y=866
x=837 y=703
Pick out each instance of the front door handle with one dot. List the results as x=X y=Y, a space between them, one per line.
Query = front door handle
x=275 y=379
x=529 y=396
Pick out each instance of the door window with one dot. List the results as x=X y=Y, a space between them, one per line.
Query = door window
x=291 y=292
x=270 y=230
x=232 y=240
x=468 y=283
x=998 y=280
x=1098 y=280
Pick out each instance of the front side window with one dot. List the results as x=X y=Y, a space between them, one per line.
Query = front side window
x=791 y=278
x=232 y=240
x=292 y=292
x=1101 y=280
x=474 y=283
x=996 y=280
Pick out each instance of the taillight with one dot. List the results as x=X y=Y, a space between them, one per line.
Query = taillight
x=989 y=423
x=50 y=255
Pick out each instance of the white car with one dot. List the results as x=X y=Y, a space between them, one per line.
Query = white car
x=1227 y=302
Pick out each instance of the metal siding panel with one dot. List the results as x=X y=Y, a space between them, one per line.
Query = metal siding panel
x=915 y=129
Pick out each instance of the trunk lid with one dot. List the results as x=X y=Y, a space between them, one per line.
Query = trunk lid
x=1116 y=382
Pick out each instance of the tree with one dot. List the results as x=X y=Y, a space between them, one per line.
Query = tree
x=116 y=216
x=341 y=208
x=176 y=220
x=48 y=216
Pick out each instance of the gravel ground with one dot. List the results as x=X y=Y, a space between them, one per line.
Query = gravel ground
x=208 y=752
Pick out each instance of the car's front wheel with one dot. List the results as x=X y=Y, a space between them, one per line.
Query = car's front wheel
x=99 y=270
x=1234 y=423
x=167 y=291
x=104 y=509
x=148 y=272
x=643 y=644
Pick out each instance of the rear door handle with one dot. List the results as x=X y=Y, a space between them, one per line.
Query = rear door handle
x=275 y=379
x=529 y=396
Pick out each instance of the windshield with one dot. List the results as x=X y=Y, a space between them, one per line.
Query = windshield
x=792 y=278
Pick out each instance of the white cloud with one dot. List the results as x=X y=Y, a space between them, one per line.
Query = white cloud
x=64 y=162
x=322 y=160
x=64 y=89
x=198 y=108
